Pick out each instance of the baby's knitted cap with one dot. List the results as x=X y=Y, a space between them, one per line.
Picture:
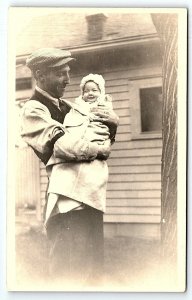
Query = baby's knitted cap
x=98 y=79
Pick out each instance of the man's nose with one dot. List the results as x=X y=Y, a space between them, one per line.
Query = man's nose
x=67 y=79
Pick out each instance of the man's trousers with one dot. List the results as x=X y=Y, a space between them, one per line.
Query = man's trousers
x=76 y=246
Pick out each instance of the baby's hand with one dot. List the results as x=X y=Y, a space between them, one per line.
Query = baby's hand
x=105 y=100
x=108 y=98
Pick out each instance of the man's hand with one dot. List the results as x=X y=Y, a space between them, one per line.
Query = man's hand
x=105 y=115
x=104 y=150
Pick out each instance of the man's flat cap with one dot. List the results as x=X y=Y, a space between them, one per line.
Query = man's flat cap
x=48 y=58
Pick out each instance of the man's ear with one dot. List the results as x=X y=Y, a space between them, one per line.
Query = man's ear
x=39 y=75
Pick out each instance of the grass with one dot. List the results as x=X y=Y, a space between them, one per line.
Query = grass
x=131 y=264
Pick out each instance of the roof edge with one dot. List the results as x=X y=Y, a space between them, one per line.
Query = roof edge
x=104 y=44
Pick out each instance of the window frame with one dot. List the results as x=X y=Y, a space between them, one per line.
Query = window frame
x=134 y=90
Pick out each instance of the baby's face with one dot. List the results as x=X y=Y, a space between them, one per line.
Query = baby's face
x=91 y=92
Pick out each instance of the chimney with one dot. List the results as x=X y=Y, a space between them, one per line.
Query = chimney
x=95 y=26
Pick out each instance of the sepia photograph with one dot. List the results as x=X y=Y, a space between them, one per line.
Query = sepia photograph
x=98 y=94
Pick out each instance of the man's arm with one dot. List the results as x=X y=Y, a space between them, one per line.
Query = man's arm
x=71 y=148
x=38 y=129
x=46 y=135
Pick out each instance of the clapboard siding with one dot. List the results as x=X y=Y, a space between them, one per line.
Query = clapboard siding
x=123 y=112
x=121 y=104
x=44 y=179
x=143 y=170
x=134 y=186
x=131 y=218
x=44 y=183
x=134 y=202
x=136 y=152
x=134 y=166
x=124 y=128
x=135 y=178
x=27 y=166
x=125 y=121
x=134 y=161
x=119 y=74
x=129 y=210
x=126 y=194
x=139 y=144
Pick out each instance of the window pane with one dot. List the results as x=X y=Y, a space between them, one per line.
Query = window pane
x=151 y=109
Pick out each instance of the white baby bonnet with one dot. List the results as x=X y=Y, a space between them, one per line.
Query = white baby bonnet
x=98 y=79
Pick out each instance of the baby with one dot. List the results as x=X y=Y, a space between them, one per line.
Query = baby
x=74 y=184
x=92 y=95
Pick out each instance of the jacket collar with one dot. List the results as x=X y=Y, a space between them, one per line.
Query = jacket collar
x=47 y=95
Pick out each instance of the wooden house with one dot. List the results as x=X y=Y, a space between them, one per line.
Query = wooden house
x=125 y=49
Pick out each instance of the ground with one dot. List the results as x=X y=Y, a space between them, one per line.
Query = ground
x=131 y=264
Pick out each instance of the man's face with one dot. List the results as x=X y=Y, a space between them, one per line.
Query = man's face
x=55 y=81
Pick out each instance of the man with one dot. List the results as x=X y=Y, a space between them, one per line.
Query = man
x=75 y=230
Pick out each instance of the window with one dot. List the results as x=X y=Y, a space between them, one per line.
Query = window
x=146 y=107
x=151 y=109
